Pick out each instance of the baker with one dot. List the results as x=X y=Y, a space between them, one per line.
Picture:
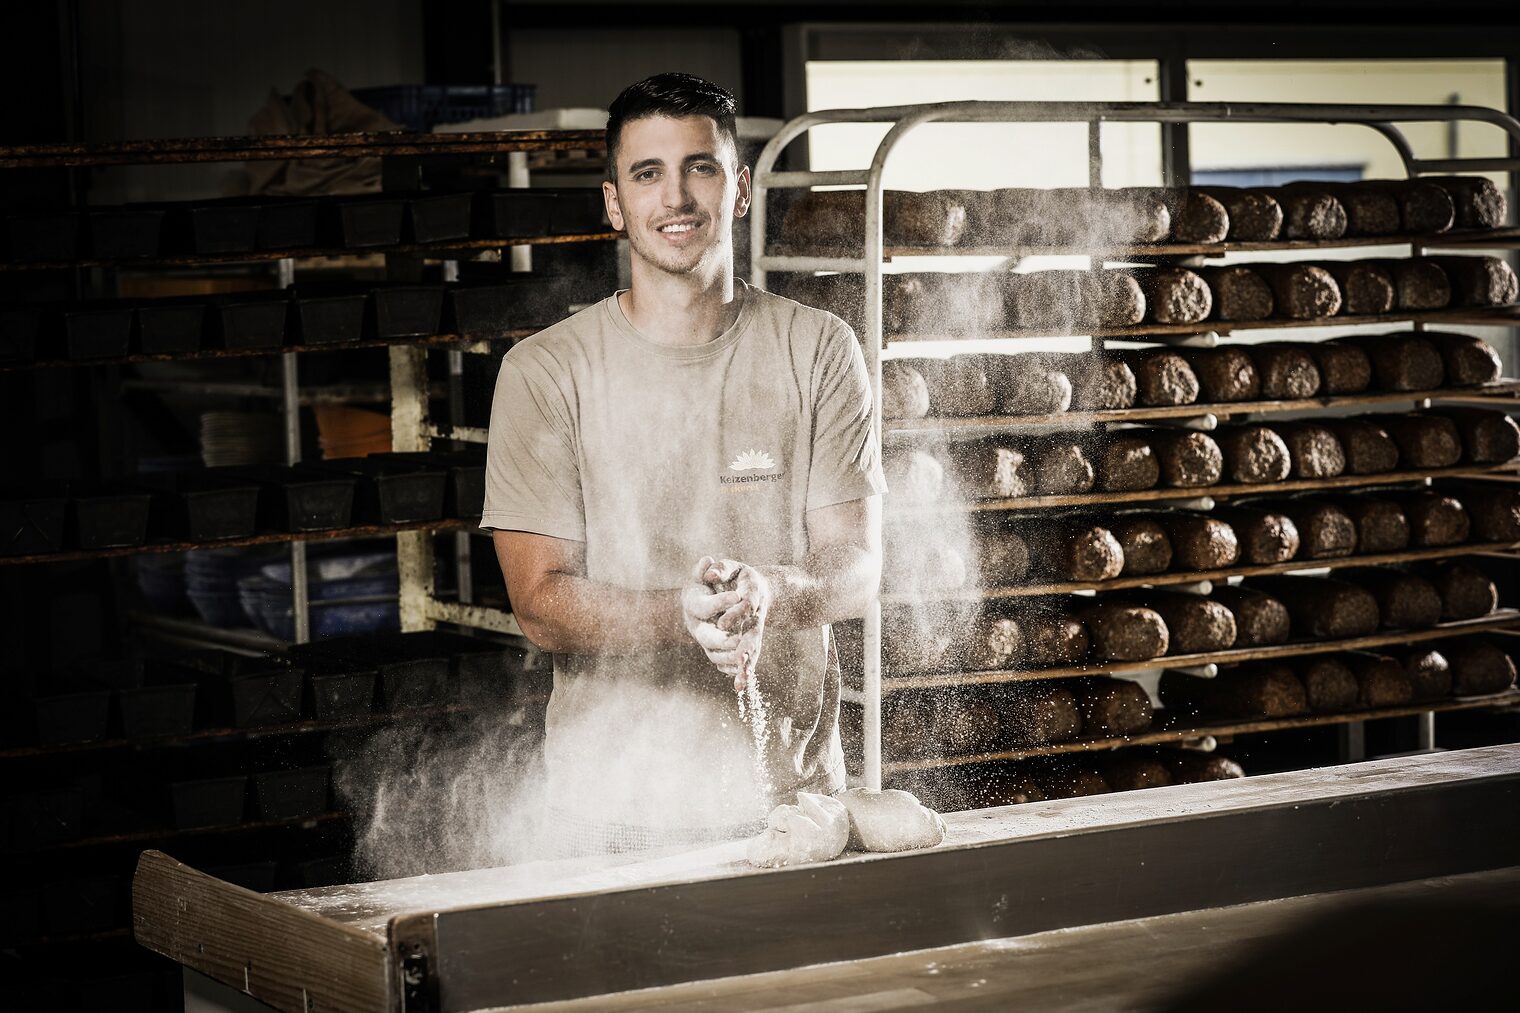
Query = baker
x=683 y=485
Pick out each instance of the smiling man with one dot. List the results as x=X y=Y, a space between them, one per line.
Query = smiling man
x=684 y=486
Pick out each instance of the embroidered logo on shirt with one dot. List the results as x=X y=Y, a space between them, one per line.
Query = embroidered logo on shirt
x=752 y=460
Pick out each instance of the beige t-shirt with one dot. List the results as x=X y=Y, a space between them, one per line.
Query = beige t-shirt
x=654 y=456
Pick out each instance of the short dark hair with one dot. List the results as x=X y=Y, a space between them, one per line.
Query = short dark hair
x=671 y=94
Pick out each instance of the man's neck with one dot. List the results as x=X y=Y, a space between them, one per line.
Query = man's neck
x=680 y=309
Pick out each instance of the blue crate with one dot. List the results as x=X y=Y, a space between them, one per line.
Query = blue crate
x=424 y=106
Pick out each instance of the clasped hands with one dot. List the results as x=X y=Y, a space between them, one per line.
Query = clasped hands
x=724 y=608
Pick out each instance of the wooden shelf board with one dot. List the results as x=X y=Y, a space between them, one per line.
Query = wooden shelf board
x=908 y=428
x=168 y=834
x=1500 y=619
x=1181 y=733
x=1194 y=576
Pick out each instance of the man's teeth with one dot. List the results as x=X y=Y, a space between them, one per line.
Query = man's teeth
x=677 y=228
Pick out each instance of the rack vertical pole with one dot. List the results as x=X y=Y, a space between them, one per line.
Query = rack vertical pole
x=409 y=424
x=290 y=406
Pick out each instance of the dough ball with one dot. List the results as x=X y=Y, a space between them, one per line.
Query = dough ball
x=816 y=829
x=891 y=820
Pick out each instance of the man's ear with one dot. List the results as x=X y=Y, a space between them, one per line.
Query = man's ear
x=741 y=199
x=614 y=210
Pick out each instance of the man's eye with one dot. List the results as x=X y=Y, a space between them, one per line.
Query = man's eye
x=703 y=168
x=646 y=174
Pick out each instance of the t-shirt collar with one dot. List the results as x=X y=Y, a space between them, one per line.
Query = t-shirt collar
x=742 y=292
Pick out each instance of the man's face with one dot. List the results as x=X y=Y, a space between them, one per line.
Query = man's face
x=677 y=191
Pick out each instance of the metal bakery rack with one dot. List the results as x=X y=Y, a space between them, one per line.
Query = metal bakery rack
x=867 y=259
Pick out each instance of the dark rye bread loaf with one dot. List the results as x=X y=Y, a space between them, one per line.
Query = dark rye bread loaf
x=984 y=469
x=1479 y=204
x=1133 y=773
x=968 y=722
x=916 y=564
x=1060 y=466
x=1192 y=767
x=1329 y=684
x=1310 y=213
x=1488 y=436
x=1255 y=215
x=1225 y=374
x=1065 y=302
x=999 y=556
x=1424 y=208
x=1064 y=216
x=1494 y=509
x=1037 y=713
x=1265 y=536
x=1380 y=680
x=1428 y=670
x=1175 y=295
x=909 y=218
x=1239 y=293
x=1162 y=377
x=1027 y=384
x=1322 y=607
x=907 y=723
x=1369 y=212
x=1366 y=288
x=1380 y=523
x=1343 y=368
x=1252 y=454
x=1119 y=631
x=1073 y=782
x=958 y=386
x=1110 y=298
x=913 y=476
x=1400 y=361
x=1053 y=636
x=904 y=394
x=1325 y=531
x=1469 y=360
x=1194 y=624
x=1098 y=382
x=1124 y=461
x=1466 y=592
x=1112 y=707
x=1418 y=283
x=1252 y=690
x=1073 y=549
x=1147 y=547
x=1480 y=281
x=1196 y=217
x=919 y=642
x=1315 y=450
x=1199 y=541
x=1286 y=369
x=1188 y=458
x=986 y=641
x=1405 y=600
x=1435 y=518
x=1425 y=439
x=1301 y=291
x=1478 y=667
x=1260 y=619
x=1366 y=446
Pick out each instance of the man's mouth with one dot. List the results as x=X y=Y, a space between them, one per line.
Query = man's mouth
x=675 y=228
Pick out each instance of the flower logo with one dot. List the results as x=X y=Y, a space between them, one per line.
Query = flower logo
x=752 y=460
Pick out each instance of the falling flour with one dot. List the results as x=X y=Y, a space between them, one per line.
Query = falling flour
x=752 y=711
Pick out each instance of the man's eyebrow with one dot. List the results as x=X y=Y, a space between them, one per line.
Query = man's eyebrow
x=654 y=163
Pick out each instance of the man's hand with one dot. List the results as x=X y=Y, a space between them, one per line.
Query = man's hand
x=725 y=613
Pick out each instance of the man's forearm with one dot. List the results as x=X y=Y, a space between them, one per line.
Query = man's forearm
x=831 y=584
x=566 y=614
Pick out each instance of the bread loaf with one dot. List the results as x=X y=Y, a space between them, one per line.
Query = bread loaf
x=1252 y=690
x=1124 y=462
x=1238 y=293
x=836 y=218
x=1162 y=377
x=1380 y=523
x=968 y=722
x=1035 y=714
x=1325 y=531
x=1418 y=284
x=1401 y=361
x=904 y=394
x=1425 y=439
x=1466 y=592
x=1060 y=466
x=1405 y=600
x=1478 y=667
x=1488 y=436
x=1073 y=782
x=1287 y=371
x=1478 y=203
x=987 y=642
x=999 y=556
x=1366 y=288
x=991 y=789
x=1195 y=216
x=1435 y=519
x=1469 y=360
x=1121 y=632
x=1111 y=299
x=907 y=723
x=1367 y=447
x=1314 y=448
x=1381 y=681
x=920 y=642
x=922 y=565
x=1301 y=291
x=1494 y=510
x=1369 y=212
x=1255 y=216
x=1424 y=208
x=1328 y=684
x=1191 y=767
x=985 y=469
x=1265 y=536
x=1098 y=382
x=1018 y=216
x=1053 y=637
x=1147 y=548
x=1065 y=302
x=1343 y=368
x=1428 y=670
x=1321 y=607
x=913 y=476
x=1199 y=541
x=1188 y=458
x=1480 y=281
x=958 y=386
x=1310 y=213
x=1111 y=707
x=1028 y=384
x=1226 y=373
x=1252 y=454
x=1175 y=295
x=1132 y=773
x=1194 y=623
x=951 y=303
x=1260 y=619
x=1073 y=550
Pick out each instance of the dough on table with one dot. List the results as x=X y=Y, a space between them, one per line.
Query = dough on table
x=891 y=820
x=816 y=829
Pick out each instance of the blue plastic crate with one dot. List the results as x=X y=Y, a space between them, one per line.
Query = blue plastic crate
x=424 y=106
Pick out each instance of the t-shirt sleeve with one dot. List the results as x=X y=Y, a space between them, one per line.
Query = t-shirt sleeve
x=532 y=476
x=846 y=454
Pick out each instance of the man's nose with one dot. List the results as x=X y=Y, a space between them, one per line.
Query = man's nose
x=677 y=192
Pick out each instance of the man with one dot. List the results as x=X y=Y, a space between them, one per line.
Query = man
x=684 y=490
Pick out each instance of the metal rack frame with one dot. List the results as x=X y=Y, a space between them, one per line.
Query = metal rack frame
x=1382 y=119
